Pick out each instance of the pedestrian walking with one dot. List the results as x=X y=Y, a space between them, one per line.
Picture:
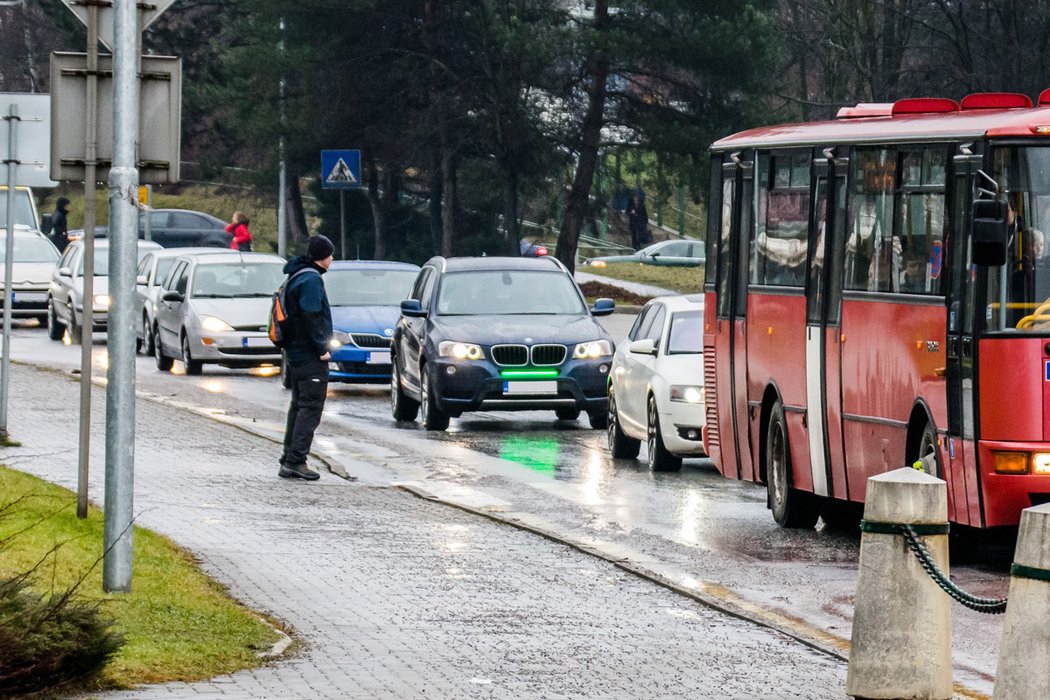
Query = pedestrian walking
x=307 y=353
x=238 y=228
x=59 y=234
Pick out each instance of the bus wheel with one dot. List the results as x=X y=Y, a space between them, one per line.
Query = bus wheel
x=791 y=507
x=929 y=453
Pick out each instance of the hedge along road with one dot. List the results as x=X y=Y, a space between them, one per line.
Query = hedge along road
x=707 y=536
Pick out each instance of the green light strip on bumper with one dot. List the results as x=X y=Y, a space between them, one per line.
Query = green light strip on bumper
x=528 y=373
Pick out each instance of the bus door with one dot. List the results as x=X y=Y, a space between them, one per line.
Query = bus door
x=731 y=325
x=963 y=479
x=823 y=329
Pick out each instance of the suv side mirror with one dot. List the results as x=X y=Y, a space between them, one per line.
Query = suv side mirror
x=989 y=232
x=412 y=308
x=603 y=307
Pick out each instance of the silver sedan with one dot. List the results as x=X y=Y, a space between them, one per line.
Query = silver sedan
x=215 y=310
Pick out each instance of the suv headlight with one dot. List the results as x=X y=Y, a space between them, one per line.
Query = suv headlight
x=101 y=300
x=592 y=350
x=215 y=325
x=460 y=351
x=687 y=393
x=339 y=339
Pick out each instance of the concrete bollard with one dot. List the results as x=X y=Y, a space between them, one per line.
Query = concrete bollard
x=1024 y=653
x=901 y=645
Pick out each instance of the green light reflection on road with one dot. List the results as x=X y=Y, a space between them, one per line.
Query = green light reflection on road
x=538 y=454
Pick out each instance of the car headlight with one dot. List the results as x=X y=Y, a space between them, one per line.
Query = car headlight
x=687 y=393
x=214 y=325
x=101 y=300
x=592 y=350
x=460 y=351
x=339 y=339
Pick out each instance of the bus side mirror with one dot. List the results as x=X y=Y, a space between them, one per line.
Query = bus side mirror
x=989 y=232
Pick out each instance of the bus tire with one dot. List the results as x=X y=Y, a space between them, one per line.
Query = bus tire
x=928 y=448
x=791 y=508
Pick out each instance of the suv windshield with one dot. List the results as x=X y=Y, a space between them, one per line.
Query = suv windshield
x=508 y=292
x=368 y=287
x=1019 y=291
x=230 y=280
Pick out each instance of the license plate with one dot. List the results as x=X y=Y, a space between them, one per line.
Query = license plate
x=549 y=387
x=28 y=296
x=256 y=342
x=378 y=358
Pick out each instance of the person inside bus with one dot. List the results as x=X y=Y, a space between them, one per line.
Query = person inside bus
x=913 y=279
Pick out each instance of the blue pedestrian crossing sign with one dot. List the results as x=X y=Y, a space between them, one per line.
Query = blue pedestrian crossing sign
x=340 y=170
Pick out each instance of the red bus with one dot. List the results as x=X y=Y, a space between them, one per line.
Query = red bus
x=859 y=318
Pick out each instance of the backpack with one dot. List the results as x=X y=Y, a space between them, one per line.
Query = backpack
x=279 y=327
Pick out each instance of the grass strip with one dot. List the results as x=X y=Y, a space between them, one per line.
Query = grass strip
x=685 y=280
x=180 y=625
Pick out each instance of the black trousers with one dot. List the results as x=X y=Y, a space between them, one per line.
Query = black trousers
x=309 y=390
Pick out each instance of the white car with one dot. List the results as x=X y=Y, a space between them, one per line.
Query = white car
x=34 y=258
x=656 y=384
x=152 y=271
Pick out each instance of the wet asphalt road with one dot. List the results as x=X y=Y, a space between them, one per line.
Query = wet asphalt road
x=694 y=528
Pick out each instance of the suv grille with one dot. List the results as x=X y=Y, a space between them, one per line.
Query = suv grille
x=548 y=354
x=370 y=340
x=510 y=354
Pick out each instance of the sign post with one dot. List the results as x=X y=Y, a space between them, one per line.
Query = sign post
x=341 y=170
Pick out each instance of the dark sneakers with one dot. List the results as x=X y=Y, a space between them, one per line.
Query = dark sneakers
x=298 y=471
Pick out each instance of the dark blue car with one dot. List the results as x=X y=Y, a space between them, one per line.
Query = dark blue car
x=499 y=334
x=365 y=296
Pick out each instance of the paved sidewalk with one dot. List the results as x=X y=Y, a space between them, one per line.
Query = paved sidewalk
x=393 y=596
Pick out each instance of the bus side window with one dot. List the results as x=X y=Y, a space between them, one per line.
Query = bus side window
x=780 y=244
x=869 y=237
x=920 y=226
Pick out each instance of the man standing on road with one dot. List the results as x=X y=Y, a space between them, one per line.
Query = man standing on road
x=307 y=351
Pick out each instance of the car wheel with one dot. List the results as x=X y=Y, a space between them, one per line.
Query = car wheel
x=193 y=367
x=659 y=458
x=621 y=446
x=567 y=413
x=55 y=329
x=598 y=421
x=791 y=507
x=164 y=362
x=286 y=375
x=147 y=337
x=433 y=418
x=76 y=335
x=138 y=345
x=402 y=408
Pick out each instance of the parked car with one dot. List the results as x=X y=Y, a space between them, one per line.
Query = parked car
x=214 y=309
x=499 y=334
x=152 y=271
x=656 y=387
x=176 y=228
x=680 y=253
x=65 y=296
x=31 y=264
x=365 y=297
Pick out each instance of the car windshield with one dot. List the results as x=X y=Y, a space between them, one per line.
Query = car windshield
x=23 y=213
x=237 y=280
x=686 y=333
x=30 y=250
x=102 y=260
x=508 y=292
x=368 y=287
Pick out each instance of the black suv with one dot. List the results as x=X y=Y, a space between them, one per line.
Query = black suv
x=499 y=334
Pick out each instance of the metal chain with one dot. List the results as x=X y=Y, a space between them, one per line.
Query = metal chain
x=992 y=606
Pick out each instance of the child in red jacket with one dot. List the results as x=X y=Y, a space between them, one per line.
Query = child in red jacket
x=242 y=237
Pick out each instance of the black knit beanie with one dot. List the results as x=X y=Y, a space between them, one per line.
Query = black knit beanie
x=319 y=247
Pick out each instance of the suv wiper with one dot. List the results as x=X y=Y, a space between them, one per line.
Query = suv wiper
x=213 y=296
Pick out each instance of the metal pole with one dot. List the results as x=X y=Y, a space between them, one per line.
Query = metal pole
x=9 y=253
x=120 y=332
x=90 y=153
x=342 y=224
x=282 y=184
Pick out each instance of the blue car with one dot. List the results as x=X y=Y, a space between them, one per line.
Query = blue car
x=365 y=296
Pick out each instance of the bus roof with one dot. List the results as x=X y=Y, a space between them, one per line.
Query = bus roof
x=879 y=123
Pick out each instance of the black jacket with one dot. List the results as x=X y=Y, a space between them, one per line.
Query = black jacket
x=308 y=311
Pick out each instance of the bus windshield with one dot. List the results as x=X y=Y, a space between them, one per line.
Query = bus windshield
x=1019 y=291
